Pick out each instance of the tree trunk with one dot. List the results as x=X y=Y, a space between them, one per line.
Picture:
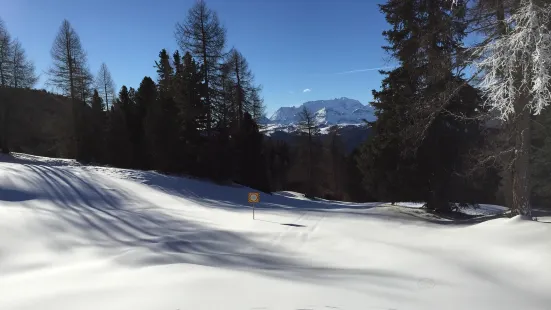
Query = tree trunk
x=239 y=97
x=206 y=72
x=521 y=164
x=507 y=173
x=106 y=96
x=310 y=179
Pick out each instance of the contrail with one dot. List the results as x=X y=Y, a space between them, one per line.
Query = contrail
x=364 y=70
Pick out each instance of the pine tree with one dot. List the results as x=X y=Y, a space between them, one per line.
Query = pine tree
x=251 y=161
x=97 y=128
x=419 y=143
x=279 y=163
x=190 y=113
x=146 y=98
x=118 y=137
x=163 y=119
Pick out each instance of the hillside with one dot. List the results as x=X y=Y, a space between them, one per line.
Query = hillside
x=85 y=237
x=351 y=135
x=35 y=121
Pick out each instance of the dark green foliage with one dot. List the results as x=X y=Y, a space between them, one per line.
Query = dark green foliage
x=249 y=155
x=146 y=98
x=118 y=135
x=188 y=87
x=97 y=125
x=353 y=187
x=279 y=163
x=425 y=128
x=163 y=121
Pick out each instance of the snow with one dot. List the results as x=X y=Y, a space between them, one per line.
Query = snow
x=481 y=209
x=337 y=111
x=89 y=238
x=528 y=47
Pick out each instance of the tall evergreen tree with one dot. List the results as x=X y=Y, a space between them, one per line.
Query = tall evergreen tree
x=205 y=38
x=118 y=136
x=279 y=163
x=146 y=98
x=163 y=119
x=188 y=88
x=251 y=161
x=419 y=143
x=97 y=125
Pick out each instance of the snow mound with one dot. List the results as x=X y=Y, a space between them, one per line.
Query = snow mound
x=89 y=238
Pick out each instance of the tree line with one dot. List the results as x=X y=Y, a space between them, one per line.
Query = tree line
x=442 y=135
x=198 y=116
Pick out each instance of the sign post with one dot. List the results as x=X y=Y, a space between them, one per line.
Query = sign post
x=254 y=198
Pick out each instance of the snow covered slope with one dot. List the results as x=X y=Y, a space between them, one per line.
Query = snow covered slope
x=339 y=111
x=90 y=238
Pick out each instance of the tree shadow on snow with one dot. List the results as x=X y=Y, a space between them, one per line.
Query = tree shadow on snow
x=87 y=208
x=209 y=194
x=15 y=195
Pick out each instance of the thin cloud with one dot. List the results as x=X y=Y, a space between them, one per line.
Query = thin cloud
x=307 y=90
x=364 y=70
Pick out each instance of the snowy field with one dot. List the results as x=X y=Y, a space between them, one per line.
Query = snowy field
x=94 y=238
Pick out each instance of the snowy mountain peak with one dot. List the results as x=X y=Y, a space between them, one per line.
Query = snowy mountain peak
x=336 y=111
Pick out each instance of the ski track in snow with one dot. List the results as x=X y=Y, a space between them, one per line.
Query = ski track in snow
x=89 y=238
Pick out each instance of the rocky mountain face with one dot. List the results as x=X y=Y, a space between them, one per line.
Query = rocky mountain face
x=339 y=111
x=347 y=115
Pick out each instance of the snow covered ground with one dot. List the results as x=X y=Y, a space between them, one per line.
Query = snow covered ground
x=82 y=237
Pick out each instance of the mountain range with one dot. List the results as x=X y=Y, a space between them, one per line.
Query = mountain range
x=348 y=115
x=338 y=111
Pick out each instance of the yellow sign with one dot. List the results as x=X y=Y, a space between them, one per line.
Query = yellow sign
x=254 y=197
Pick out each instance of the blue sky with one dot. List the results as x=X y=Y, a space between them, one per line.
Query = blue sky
x=299 y=50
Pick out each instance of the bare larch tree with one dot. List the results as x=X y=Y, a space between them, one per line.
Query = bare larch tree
x=516 y=79
x=22 y=69
x=68 y=71
x=205 y=38
x=243 y=81
x=5 y=55
x=105 y=85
